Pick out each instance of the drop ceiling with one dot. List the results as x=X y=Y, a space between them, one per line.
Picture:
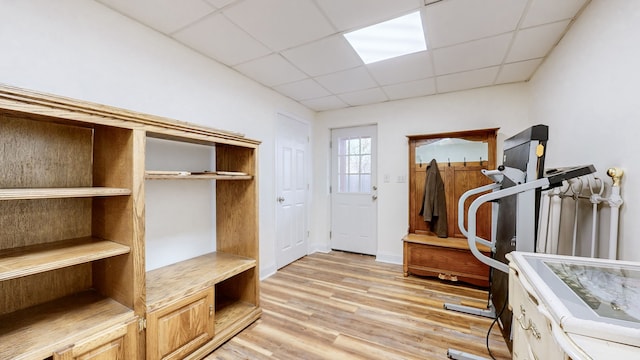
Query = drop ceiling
x=297 y=47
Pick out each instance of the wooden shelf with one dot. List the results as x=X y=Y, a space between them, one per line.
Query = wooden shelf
x=35 y=333
x=57 y=193
x=29 y=260
x=229 y=311
x=170 y=283
x=178 y=175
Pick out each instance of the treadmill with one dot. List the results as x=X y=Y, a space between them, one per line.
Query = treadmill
x=515 y=197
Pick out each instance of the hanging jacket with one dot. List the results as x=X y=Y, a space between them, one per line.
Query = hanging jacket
x=434 y=205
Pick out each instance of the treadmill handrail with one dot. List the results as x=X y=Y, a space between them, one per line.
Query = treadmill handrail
x=475 y=205
x=461 y=202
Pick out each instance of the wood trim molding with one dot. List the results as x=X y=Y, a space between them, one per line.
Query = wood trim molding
x=32 y=102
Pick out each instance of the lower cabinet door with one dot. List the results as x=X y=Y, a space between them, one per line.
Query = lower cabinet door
x=178 y=329
x=117 y=343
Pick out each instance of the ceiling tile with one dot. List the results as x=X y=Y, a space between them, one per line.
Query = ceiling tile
x=324 y=103
x=402 y=69
x=536 y=42
x=218 y=38
x=297 y=47
x=411 y=89
x=271 y=70
x=516 y=72
x=364 y=97
x=349 y=15
x=302 y=90
x=165 y=16
x=466 y=80
x=324 y=56
x=295 y=22
x=220 y=3
x=473 y=55
x=546 y=11
x=347 y=81
x=453 y=22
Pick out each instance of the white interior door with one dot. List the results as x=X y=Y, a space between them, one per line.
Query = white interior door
x=292 y=185
x=354 y=189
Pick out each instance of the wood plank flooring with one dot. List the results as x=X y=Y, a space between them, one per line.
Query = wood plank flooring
x=348 y=306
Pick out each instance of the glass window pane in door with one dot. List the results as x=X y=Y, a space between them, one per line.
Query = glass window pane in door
x=354 y=146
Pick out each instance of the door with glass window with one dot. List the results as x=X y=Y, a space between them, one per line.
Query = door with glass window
x=354 y=190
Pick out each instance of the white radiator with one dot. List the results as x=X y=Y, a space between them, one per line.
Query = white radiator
x=580 y=218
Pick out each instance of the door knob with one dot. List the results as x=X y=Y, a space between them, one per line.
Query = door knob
x=280 y=199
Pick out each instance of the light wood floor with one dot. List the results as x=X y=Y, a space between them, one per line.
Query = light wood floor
x=348 y=306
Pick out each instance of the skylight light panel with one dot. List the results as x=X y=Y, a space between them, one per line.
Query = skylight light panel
x=389 y=39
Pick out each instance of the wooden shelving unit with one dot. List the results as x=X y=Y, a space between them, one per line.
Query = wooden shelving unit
x=72 y=245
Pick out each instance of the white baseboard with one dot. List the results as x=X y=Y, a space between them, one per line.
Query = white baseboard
x=268 y=271
x=389 y=258
x=323 y=248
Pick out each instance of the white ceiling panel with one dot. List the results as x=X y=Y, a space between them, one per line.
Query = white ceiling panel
x=297 y=47
x=220 y=3
x=520 y=71
x=364 y=97
x=218 y=38
x=402 y=69
x=302 y=90
x=165 y=16
x=295 y=22
x=347 y=80
x=458 y=21
x=324 y=56
x=411 y=89
x=271 y=70
x=354 y=14
x=471 y=55
x=536 y=42
x=324 y=103
x=466 y=80
x=547 y=11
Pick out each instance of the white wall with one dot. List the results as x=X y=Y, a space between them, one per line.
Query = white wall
x=83 y=50
x=504 y=107
x=189 y=206
x=587 y=92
